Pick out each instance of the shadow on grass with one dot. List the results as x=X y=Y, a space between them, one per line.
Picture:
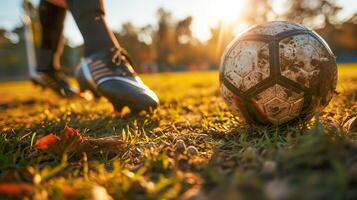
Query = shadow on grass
x=18 y=103
x=317 y=163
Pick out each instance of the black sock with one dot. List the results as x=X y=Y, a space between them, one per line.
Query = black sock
x=90 y=18
x=52 y=21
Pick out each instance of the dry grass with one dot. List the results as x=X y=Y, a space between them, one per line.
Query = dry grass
x=191 y=147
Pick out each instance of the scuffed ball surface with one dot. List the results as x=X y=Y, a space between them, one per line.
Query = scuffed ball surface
x=276 y=73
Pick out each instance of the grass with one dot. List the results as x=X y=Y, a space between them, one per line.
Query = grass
x=190 y=148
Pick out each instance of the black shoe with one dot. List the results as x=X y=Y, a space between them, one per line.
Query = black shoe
x=110 y=74
x=55 y=81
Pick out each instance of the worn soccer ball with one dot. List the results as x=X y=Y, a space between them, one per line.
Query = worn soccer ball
x=277 y=73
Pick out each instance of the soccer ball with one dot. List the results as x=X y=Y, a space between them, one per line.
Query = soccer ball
x=277 y=73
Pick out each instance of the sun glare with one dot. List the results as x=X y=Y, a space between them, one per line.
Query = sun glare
x=207 y=14
x=225 y=11
x=228 y=14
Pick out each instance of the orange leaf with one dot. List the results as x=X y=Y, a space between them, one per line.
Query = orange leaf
x=46 y=141
x=15 y=189
x=71 y=133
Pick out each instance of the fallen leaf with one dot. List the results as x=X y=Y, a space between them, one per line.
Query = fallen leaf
x=70 y=140
x=68 y=191
x=71 y=134
x=45 y=142
x=15 y=189
x=66 y=141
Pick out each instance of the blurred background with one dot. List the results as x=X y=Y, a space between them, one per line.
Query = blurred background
x=181 y=35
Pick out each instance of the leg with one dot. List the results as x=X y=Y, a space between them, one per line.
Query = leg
x=48 y=73
x=90 y=18
x=52 y=21
x=107 y=69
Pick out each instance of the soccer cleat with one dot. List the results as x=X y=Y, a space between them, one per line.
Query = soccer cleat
x=54 y=81
x=110 y=74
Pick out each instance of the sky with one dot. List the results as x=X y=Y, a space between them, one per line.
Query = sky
x=206 y=14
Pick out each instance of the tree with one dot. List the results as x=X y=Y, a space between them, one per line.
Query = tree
x=312 y=13
x=164 y=40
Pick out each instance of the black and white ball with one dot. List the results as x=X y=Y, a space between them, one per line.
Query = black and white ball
x=276 y=73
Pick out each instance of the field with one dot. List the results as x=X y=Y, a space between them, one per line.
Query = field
x=190 y=148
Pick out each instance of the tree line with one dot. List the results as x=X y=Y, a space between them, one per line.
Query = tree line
x=170 y=45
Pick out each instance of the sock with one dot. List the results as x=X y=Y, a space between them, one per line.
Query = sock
x=90 y=18
x=52 y=21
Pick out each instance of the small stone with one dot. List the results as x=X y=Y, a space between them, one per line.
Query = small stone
x=277 y=189
x=250 y=153
x=192 y=151
x=180 y=147
x=351 y=125
x=100 y=193
x=269 y=167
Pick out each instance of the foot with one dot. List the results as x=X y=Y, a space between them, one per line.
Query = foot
x=55 y=81
x=110 y=74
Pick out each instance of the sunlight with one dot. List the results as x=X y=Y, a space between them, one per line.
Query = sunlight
x=225 y=11
x=228 y=15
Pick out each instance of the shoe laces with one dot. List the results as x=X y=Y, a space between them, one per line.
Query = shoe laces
x=121 y=59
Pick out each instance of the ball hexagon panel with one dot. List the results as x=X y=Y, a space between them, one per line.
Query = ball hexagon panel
x=279 y=104
x=276 y=110
x=300 y=58
x=265 y=95
x=244 y=62
x=247 y=64
x=287 y=94
x=274 y=28
x=252 y=79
